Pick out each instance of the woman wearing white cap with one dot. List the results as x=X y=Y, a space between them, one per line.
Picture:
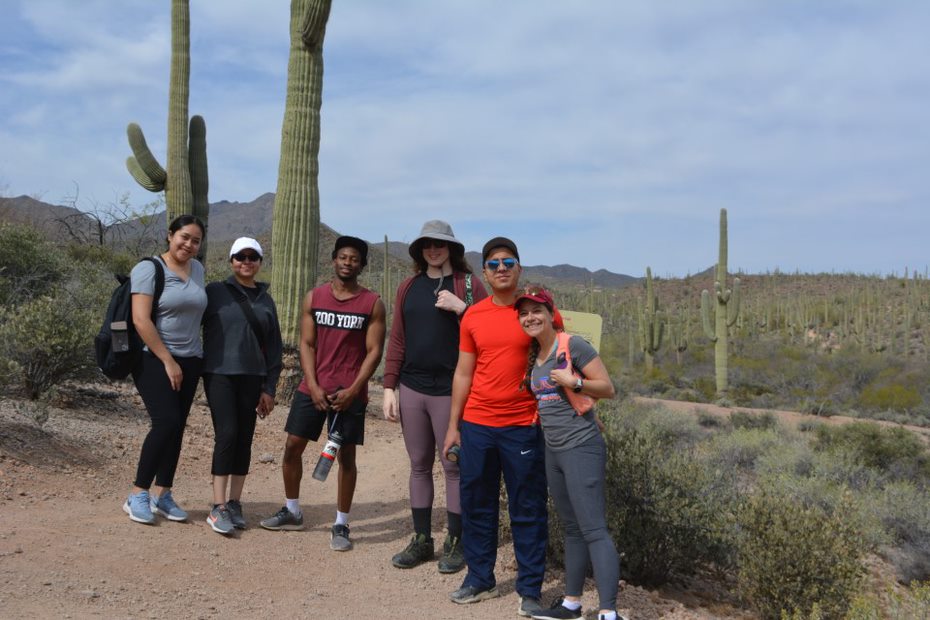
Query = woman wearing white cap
x=421 y=356
x=242 y=363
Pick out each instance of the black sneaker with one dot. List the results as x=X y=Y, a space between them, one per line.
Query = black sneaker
x=452 y=560
x=471 y=594
x=558 y=611
x=418 y=551
x=339 y=541
x=529 y=606
x=235 y=514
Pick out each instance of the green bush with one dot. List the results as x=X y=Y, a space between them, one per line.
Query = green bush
x=666 y=510
x=745 y=419
x=893 y=450
x=29 y=265
x=741 y=448
x=792 y=557
x=46 y=340
x=893 y=397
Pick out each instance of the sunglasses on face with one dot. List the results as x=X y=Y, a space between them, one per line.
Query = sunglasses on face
x=252 y=258
x=433 y=243
x=495 y=263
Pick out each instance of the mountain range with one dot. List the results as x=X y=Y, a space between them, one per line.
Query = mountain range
x=228 y=220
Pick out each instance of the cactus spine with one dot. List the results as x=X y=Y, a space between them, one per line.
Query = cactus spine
x=726 y=310
x=295 y=229
x=185 y=182
x=651 y=326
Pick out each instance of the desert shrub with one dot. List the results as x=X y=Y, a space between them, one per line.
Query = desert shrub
x=666 y=510
x=902 y=511
x=30 y=266
x=709 y=420
x=47 y=339
x=895 y=397
x=742 y=447
x=892 y=450
x=792 y=556
x=706 y=387
x=102 y=257
x=748 y=420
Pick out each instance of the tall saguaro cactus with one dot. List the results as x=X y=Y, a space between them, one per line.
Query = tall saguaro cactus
x=185 y=182
x=295 y=231
x=725 y=312
x=650 y=324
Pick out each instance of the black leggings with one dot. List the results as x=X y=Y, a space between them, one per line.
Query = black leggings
x=232 y=399
x=168 y=411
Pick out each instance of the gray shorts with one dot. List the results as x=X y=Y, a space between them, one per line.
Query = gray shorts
x=306 y=421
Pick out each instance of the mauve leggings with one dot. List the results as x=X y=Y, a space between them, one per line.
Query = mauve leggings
x=424 y=420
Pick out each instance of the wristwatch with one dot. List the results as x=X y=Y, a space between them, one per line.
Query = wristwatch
x=579 y=383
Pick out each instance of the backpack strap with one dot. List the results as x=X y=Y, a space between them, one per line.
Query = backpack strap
x=249 y=313
x=581 y=403
x=159 y=283
x=469 y=296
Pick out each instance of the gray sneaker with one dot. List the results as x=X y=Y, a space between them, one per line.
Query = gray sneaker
x=340 y=538
x=529 y=606
x=139 y=508
x=235 y=514
x=219 y=520
x=471 y=594
x=165 y=505
x=284 y=519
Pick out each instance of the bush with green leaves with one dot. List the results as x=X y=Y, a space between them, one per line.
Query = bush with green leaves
x=30 y=266
x=893 y=450
x=667 y=510
x=792 y=556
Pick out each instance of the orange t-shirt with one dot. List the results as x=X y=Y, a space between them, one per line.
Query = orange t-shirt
x=493 y=334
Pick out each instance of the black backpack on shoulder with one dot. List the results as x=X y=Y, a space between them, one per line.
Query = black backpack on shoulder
x=118 y=346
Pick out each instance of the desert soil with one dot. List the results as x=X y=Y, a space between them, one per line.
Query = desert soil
x=67 y=550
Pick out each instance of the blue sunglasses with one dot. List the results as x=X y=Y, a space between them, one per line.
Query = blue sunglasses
x=495 y=263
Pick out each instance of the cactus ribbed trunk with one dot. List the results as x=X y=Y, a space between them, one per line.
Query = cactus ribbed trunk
x=185 y=182
x=650 y=324
x=726 y=310
x=296 y=223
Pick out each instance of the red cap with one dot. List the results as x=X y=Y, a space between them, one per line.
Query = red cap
x=544 y=297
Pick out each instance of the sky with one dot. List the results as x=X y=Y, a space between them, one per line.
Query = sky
x=606 y=134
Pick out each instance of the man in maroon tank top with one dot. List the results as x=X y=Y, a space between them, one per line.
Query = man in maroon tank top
x=341 y=339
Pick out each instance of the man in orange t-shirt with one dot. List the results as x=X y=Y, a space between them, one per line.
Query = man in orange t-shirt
x=493 y=420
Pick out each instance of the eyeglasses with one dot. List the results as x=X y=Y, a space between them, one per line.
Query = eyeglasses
x=243 y=257
x=495 y=263
x=433 y=243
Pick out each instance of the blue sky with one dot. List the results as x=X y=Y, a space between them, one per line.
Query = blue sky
x=601 y=133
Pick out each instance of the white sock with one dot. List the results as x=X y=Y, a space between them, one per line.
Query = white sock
x=342 y=518
x=293 y=505
x=572 y=605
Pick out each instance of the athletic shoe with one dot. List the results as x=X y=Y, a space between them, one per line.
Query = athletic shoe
x=529 y=606
x=452 y=560
x=418 y=551
x=219 y=520
x=138 y=508
x=558 y=611
x=168 y=508
x=235 y=514
x=604 y=617
x=340 y=538
x=471 y=594
x=284 y=519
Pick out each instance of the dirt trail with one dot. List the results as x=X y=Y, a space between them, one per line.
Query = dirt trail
x=68 y=551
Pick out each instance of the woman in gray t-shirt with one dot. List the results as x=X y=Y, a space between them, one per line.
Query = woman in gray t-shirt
x=576 y=454
x=169 y=370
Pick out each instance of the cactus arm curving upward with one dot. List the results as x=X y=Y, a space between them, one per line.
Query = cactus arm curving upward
x=142 y=165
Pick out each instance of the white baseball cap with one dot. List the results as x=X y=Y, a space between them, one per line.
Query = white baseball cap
x=245 y=243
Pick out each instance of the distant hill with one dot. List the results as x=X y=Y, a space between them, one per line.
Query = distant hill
x=229 y=220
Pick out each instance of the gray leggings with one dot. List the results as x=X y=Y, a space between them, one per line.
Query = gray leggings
x=425 y=420
x=576 y=483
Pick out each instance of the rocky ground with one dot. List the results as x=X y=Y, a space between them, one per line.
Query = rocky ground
x=67 y=550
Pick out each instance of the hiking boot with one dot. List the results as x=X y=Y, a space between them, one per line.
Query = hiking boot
x=235 y=514
x=452 y=560
x=138 y=508
x=418 y=551
x=284 y=519
x=219 y=519
x=558 y=611
x=168 y=508
x=471 y=594
x=529 y=606
x=340 y=538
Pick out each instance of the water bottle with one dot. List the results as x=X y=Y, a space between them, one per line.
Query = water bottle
x=327 y=456
x=453 y=454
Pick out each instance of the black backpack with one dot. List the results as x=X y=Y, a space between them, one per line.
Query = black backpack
x=118 y=346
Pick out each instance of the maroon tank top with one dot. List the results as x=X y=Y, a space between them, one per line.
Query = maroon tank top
x=341 y=328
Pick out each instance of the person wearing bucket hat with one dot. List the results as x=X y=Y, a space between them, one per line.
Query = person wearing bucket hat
x=241 y=365
x=576 y=454
x=420 y=361
x=494 y=424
